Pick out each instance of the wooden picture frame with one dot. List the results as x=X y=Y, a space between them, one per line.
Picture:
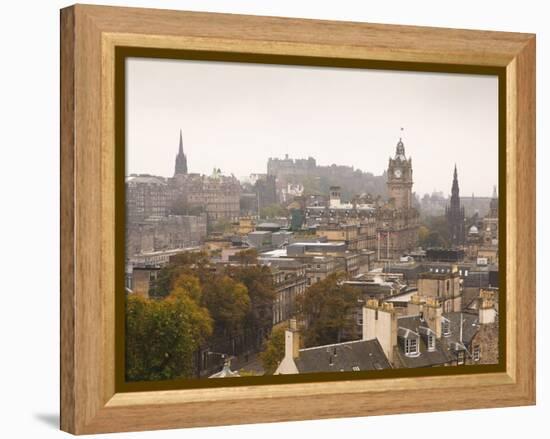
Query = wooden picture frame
x=90 y=36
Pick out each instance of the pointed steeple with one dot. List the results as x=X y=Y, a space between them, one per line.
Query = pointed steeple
x=493 y=205
x=181 y=159
x=400 y=148
x=454 y=188
x=455 y=213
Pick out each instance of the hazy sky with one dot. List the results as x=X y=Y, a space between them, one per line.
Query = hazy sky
x=234 y=116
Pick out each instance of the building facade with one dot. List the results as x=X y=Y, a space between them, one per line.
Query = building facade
x=170 y=232
x=146 y=196
x=397 y=220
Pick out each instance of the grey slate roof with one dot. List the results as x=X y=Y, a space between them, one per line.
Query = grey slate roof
x=470 y=326
x=353 y=356
x=445 y=348
x=426 y=358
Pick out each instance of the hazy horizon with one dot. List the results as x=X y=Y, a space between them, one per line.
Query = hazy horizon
x=235 y=116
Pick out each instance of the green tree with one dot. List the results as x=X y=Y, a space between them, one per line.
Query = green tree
x=228 y=303
x=247 y=257
x=423 y=233
x=259 y=284
x=191 y=263
x=274 y=351
x=273 y=211
x=439 y=232
x=327 y=308
x=434 y=239
x=162 y=336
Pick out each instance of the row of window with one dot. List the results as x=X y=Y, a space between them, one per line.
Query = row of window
x=448 y=270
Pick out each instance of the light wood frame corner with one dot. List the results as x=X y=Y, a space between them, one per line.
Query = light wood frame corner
x=89 y=36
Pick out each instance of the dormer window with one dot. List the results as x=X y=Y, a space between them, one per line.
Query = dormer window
x=445 y=327
x=411 y=347
x=431 y=342
x=476 y=353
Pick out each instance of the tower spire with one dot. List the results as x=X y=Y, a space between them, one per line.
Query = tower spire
x=400 y=148
x=454 y=189
x=181 y=159
x=455 y=213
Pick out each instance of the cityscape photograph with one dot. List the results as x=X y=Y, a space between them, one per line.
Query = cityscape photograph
x=292 y=220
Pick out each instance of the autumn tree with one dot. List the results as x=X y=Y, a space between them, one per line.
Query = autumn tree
x=438 y=232
x=274 y=351
x=327 y=308
x=247 y=257
x=191 y=263
x=228 y=303
x=259 y=283
x=163 y=335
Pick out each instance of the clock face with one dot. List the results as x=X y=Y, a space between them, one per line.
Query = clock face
x=397 y=173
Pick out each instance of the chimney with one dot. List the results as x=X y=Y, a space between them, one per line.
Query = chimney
x=416 y=305
x=380 y=322
x=370 y=315
x=433 y=313
x=487 y=312
x=292 y=345
x=487 y=309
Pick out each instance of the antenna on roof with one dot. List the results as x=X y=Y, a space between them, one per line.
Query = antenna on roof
x=461 y=324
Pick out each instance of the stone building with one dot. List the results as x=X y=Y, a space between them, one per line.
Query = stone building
x=142 y=279
x=266 y=191
x=164 y=233
x=216 y=195
x=482 y=238
x=455 y=215
x=398 y=220
x=289 y=281
x=146 y=196
x=426 y=336
x=445 y=287
x=490 y=232
x=294 y=176
x=389 y=228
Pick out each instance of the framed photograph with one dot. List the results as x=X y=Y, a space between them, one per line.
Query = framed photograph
x=268 y=219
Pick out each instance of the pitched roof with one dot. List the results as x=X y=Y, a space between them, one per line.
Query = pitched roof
x=353 y=356
x=470 y=326
x=411 y=325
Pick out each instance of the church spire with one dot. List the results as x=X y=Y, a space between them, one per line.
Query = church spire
x=455 y=189
x=181 y=159
x=455 y=214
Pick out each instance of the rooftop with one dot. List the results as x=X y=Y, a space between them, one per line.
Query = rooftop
x=353 y=356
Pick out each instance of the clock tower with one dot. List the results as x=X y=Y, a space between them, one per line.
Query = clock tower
x=400 y=178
